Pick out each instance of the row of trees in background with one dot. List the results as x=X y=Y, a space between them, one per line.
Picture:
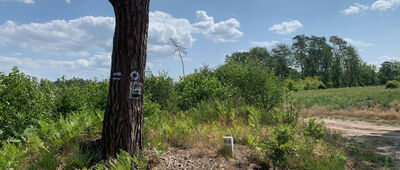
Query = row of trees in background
x=335 y=63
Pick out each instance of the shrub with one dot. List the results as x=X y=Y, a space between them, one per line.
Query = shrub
x=291 y=85
x=197 y=87
x=160 y=90
x=393 y=84
x=314 y=129
x=95 y=94
x=281 y=144
x=151 y=108
x=311 y=83
x=22 y=103
x=253 y=83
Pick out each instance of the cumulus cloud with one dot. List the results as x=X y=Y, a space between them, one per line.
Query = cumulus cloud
x=89 y=40
x=383 y=5
x=78 y=37
x=164 y=26
x=68 y=1
x=389 y=58
x=354 y=9
x=267 y=44
x=286 y=27
x=23 y=1
x=358 y=43
x=72 y=38
x=224 y=31
x=97 y=65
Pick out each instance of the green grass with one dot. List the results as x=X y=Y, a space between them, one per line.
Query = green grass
x=343 y=98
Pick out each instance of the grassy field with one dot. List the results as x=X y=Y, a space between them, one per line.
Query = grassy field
x=344 y=98
x=374 y=102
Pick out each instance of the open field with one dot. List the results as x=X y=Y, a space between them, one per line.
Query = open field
x=372 y=103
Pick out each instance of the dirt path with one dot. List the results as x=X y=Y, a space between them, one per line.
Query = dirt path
x=384 y=138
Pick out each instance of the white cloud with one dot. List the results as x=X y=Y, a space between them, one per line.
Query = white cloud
x=383 y=5
x=97 y=65
x=267 y=44
x=356 y=8
x=81 y=36
x=388 y=58
x=89 y=41
x=358 y=43
x=224 y=31
x=286 y=27
x=378 y=63
x=162 y=27
x=23 y=1
x=72 y=38
x=68 y=1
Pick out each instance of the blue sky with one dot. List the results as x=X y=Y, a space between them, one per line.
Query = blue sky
x=51 y=38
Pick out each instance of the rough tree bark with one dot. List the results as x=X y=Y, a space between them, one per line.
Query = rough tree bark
x=123 y=118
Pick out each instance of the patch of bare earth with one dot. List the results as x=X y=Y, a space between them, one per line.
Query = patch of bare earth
x=384 y=139
x=176 y=158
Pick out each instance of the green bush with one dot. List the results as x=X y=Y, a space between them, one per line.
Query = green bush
x=393 y=84
x=197 y=87
x=151 y=108
x=291 y=85
x=311 y=83
x=281 y=144
x=160 y=90
x=76 y=94
x=251 y=82
x=314 y=129
x=22 y=103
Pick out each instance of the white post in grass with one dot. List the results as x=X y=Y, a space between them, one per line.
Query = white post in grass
x=228 y=145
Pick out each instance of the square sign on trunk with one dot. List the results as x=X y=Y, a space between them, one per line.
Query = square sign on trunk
x=135 y=90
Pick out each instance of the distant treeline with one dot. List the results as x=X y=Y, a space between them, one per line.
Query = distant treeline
x=335 y=63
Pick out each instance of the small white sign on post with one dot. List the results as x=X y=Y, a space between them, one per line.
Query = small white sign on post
x=228 y=145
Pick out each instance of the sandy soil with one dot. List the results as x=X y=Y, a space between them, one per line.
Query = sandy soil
x=384 y=138
x=176 y=158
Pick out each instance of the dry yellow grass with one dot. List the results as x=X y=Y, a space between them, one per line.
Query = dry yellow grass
x=373 y=113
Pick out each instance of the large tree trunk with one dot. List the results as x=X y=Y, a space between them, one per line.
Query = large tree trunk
x=123 y=119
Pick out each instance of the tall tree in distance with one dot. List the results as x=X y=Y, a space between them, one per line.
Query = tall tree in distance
x=282 y=60
x=123 y=118
x=300 y=53
x=178 y=48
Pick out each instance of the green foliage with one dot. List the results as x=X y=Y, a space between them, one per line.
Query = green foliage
x=346 y=97
x=12 y=154
x=151 y=108
x=197 y=87
x=76 y=94
x=22 y=103
x=318 y=155
x=124 y=161
x=311 y=83
x=42 y=147
x=291 y=85
x=314 y=129
x=252 y=83
x=161 y=90
x=238 y=99
x=389 y=71
x=392 y=84
x=281 y=144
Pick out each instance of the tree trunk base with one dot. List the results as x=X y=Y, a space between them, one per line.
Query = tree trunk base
x=93 y=150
